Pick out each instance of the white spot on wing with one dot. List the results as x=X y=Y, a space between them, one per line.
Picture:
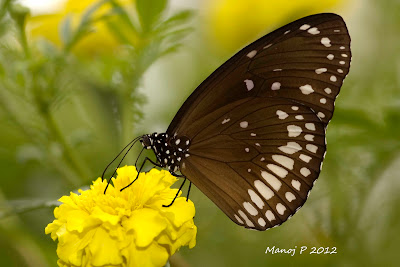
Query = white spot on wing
x=306 y=89
x=290 y=148
x=326 y=42
x=296 y=185
x=270 y=216
x=272 y=180
x=281 y=172
x=310 y=126
x=244 y=124
x=294 y=130
x=312 y=148
x=322 y=100
x=330 y=56
x=305 y=171
x=289 y=196
x=261 y=222
x=328 y=90
x=248 y=222
x=249 y=84
x=305 y=158
x=238 y=219
x=281 y=114
x=305 y=27
x=252 y=54
x=280 y=208
x=250 y=208
x=284 y=161
x=333 y=78
x=276 y=86
x=299 y=117
x=256 y=199
x=309 y=137
x=313 y=31
x=264 y=190
x=321 y=70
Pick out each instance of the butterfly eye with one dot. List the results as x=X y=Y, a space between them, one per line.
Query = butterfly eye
x=146 y=141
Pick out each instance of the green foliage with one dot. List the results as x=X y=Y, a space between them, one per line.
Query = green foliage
x=65 y=115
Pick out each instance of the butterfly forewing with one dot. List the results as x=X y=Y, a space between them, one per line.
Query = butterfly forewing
x=311 y=41
x=256 y=126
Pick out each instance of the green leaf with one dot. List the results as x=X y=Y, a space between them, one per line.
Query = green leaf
x=175 y=20
x=66 y=30
x=150 y=12
x=123 y=15
x=176 y=36
x=88 y=15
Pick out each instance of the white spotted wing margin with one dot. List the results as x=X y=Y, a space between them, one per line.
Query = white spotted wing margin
x=260 y=166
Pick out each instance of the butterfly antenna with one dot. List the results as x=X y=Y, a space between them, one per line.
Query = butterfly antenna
x=130 y=145
x=139 y=157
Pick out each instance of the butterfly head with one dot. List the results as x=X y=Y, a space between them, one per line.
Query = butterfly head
x=147 y=140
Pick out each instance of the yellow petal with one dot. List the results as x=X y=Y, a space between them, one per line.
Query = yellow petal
x=70 y=249
x=180 y=212
x=79 y=220
x=147 y=224
x=104 y=217
x=52 y=228
x=151 y=256
x=104 y=250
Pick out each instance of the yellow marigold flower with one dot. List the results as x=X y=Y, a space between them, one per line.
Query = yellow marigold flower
x=128 y=228
x=233 y=23
x=48 y=26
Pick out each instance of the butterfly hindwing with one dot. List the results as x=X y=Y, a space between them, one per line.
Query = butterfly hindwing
x=262 y=164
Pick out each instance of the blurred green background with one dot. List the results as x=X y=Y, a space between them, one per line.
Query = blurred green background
x=80 y=79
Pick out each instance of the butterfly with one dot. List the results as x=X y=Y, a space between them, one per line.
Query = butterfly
x=251 y=137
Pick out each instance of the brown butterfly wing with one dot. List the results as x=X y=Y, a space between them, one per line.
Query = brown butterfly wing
x=257 y=125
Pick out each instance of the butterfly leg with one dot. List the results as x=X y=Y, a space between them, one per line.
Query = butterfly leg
x=177 y=193
x=177 y=175
x=140 y=169
x=137 y=159
x=187 y=196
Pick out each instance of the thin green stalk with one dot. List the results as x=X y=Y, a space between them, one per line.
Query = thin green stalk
x=24 y=41
x=71 y=157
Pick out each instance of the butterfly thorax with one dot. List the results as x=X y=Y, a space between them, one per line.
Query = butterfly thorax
x=169 y=150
